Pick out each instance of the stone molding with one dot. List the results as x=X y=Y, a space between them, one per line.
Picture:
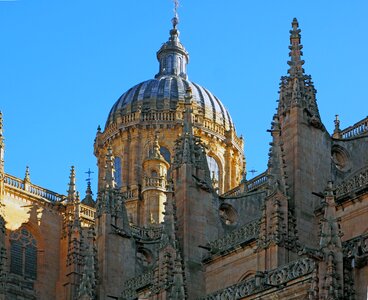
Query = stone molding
x=265 y=280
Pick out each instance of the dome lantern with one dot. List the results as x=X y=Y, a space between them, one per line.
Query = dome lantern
x=172 y=56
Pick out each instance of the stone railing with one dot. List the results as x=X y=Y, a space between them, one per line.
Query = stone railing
x=87 y=212
x=356 y=183
x=132 y=285
x=138 y=117
x=158 y=116
x=146 y=233
x=33 y=189
x=256 y=182
x=250 y=185
x=154 y=182
x=212 y=126
x=130 y=118
x=233 y=192
x=265 y=280
x=235 y=238
x=357 y=129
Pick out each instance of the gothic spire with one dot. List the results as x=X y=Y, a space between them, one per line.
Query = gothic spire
x=72 y=195
x=172 y=56
x=297 y=89
x=178 y=288
x=87 y=285
x=295 y=54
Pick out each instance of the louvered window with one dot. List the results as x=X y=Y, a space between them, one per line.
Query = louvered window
x=23 y=254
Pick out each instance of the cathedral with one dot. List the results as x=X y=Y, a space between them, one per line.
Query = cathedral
x=176 y=217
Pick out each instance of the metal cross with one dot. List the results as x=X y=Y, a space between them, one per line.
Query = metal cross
x=176 y=5
x=253 y=171
x=89 y=172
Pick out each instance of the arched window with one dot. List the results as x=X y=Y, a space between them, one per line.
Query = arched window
x=23 y=254
x=117 y=174
x=214 y=170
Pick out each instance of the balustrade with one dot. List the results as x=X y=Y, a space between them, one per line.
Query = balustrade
x=356 y=183
x=237 y=237
x=87 y=212
x=33 y=189
x=146 y=233
x=357 y=129
x=257 y=182
x=154 y=182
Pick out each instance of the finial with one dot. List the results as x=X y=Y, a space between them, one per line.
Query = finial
x=27 y=177
x=295 y=54
x=337 y=122
x=337 y=131
x=71 y=190
x=156 y=145
x=154 y=151
x=98 y=129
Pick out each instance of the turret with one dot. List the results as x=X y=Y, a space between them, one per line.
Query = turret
x=155 y=169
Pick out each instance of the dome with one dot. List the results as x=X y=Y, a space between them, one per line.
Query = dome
x=167 y=89
x=163 y=94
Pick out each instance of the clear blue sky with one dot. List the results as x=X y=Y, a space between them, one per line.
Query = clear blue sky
x=64 y=63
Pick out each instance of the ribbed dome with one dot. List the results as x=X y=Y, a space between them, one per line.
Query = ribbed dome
x=169 y=87
x=164 y=93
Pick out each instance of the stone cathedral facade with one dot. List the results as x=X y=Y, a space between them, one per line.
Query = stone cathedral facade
x=176 y=218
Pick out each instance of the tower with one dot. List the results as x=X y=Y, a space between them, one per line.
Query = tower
x=306 y=145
